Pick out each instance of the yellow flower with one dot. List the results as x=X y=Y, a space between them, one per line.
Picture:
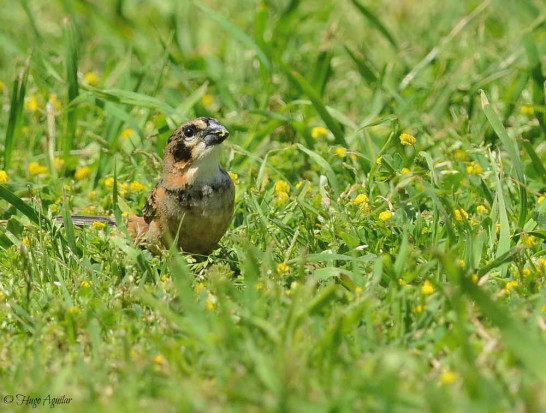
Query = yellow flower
x=529 y=241
x=361 y=199
x=405 y=171
x=460 y=263
x=475 y=278
x=54 y=101
x=34 y=168
x=510 y=286
x=136 y=187
x=32 y=104
x=86 y=284
x=74 y=310
x=282 y=198
x=543 y=308
x=340 y=151
x=26 y=241
x=542 y=263
x=379 y=160
x=461 y=214
x=212 y=302
x=159 y=360
x=91 y=78
x=58 y=163
x=318 y=132
x=482 y=209
x=109 y=182
x=460 y=155
x=385 y=216
x=98 y=225
x=527 y=110
x=200 y=287
x=165 y=278
x=281 y=186
x=126 y=133
x=259 y=285
x=82 y=173
x=407 y=139
x=419 y=308
x=474 y=168
x=401 y=281
x=4 y=178
x=92 y=195
x=427 y=288
x=2 y=86
x=234 y=177
x=283 y=269
x=526 y=272
x=54 y=208
x=2 y=296
x=448 y=377
x=207 y=100
x=541 y=199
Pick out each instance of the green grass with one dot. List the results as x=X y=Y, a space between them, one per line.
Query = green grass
x=311 y=302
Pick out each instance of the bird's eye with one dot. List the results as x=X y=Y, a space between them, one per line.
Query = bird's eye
x=189 y=131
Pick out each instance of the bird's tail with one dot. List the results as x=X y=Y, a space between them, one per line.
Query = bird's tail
x=83 y=220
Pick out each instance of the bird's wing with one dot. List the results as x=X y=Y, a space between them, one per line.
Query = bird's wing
x=149 y=212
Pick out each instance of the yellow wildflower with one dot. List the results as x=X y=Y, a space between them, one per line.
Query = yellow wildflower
x=136 y=187
x=234 y=177
x=2 y=296
x=460 y=263
x=407 y=139
x=91 y=78
x=401 y=281
x=54 y=208
x=319 y=132
x=82 y=173
x=207 y=101
x=385 y=216
x=542 y=263
x=32 y=104
x=340 y=151
x=405 y=171
x=34 y=168
x=212 y=302
x=482 y=209
x=361 y=199
x=419 y=308
x=126 y=133
x=26 y=241
x=4 y=178
x=74 y=310
x=526 y=272
x=474 y=168
x=165 y=278
x=541 y=199
x=86 y=284
x=283 y=269
x=259 y=285
x=58 y=163
x=282 y=198
x=543 y=308
x=159 y=360
x=475 y=278
x=281 y=186
x=427 y=288
x=460 y=155
x=379 y=160
x=461 y=214
x=510 y=286
x=527 y=110
x=109 y=183
x=92 y=195
x=448 y=377
x=529 y=241
x=2 y=86
x=200 y=287
x=98 y=225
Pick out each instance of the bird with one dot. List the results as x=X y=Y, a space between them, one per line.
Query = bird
x=193 y=202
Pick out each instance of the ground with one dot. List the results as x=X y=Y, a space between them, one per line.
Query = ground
x=387 y=249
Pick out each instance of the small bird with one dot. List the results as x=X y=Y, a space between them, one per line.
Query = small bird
x=193 y=202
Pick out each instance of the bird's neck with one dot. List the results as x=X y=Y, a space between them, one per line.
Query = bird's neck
x=199 y=172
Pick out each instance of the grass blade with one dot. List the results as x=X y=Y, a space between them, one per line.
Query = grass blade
x=374 y=20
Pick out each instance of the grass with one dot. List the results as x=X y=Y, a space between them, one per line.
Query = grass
x=359 y=274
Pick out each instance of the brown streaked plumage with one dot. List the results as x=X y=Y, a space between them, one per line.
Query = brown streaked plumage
x=193 y=202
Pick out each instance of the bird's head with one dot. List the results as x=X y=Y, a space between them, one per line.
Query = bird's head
x=196 y=140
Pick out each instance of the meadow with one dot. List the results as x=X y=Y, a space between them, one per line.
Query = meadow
x=387 y=252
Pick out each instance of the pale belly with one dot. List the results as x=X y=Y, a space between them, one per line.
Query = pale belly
x=198 y=218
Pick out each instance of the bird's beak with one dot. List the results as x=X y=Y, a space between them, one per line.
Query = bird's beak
x=216 y=134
